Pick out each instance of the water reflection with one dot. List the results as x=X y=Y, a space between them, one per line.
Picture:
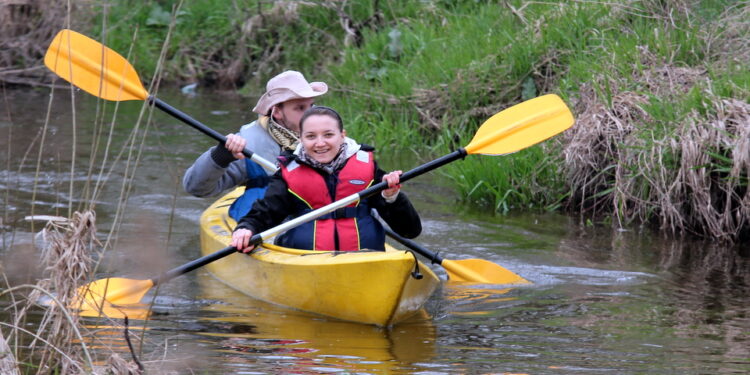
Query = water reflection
x=709 y=293
x=473 y=299
x=253 y=330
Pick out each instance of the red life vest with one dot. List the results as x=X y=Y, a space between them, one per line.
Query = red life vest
x=353 y=227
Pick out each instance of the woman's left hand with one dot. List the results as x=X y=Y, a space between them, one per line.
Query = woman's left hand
x=392 y=179
x=241 y=240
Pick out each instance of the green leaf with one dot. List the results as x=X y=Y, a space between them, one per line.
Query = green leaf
x=158 y=17
x=528 y=89
x=394 y=46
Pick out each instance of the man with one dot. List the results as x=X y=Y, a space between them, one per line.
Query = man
x=223 y=167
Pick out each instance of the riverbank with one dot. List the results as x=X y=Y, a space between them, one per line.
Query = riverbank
x=660 y=91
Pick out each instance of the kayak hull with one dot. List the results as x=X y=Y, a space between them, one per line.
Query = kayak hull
x=371 y=287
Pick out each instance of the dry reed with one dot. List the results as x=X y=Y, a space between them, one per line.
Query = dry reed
x=595 y=146
x=67 y=255
x=689 y=175
x=714 y=169
x=65 y=252
x=59 y=344
x=7 y=359
x=26 y=28
x=727 y=41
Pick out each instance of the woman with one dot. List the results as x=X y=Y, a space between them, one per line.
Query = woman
x=325 y=167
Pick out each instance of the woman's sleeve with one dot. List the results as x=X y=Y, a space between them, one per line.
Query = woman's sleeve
x=270 y=210
x=400 y=215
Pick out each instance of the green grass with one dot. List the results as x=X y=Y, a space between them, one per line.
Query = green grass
x=426 y=74
x=508 y=183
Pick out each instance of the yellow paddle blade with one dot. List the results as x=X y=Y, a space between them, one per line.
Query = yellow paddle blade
x=139 y=311
x=521 y=126
x=113 y=290
x=480 y=271
x=94 y=68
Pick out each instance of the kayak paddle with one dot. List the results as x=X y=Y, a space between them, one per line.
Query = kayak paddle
x=104 y=73
x=508 y=131
x=471 y=270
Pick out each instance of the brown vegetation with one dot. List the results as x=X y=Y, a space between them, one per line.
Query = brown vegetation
x=714 y=170
x=257 y=51
x=227 y=65
x=689 y=176
x=597 y=144
x=66 y=253
x=59 y=343
x=26 y=28
x=7 y=359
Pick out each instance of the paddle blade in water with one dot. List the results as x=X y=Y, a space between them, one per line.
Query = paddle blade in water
x=113 y=290
x=135 y=311
x=521 y=126
x=94 y=68
x=480 y=271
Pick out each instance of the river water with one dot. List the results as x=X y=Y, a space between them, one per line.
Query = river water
x=601 y=301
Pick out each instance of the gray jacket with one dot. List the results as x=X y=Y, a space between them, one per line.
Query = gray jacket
x=210 y=176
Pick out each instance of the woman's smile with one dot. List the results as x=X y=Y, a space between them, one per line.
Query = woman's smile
x=322 y=138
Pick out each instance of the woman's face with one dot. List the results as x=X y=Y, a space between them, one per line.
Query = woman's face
x=321 y=137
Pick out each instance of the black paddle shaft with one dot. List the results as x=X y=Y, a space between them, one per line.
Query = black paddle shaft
x=256 y=239
x=421 y=250
x=182 y=116
x=418 y=171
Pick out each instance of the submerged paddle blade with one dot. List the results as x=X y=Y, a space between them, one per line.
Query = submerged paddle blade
x=113 y=290
x=94 y=68
x=480 y=271
x=521 y=126
x=139 y=311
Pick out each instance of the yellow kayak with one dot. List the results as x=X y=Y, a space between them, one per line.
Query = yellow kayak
x=372 y=287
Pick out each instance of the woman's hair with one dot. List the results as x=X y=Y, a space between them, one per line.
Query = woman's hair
x=321 y=110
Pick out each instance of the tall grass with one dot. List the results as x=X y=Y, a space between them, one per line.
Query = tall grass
x=457 y=68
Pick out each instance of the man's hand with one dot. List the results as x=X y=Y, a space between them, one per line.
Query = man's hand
x=235 y=144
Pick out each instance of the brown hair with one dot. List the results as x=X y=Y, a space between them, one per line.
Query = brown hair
x=321 y=110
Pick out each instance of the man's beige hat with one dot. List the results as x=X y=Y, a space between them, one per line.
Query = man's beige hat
x=287 y=86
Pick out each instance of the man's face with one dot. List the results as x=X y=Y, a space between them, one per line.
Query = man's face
x=289 y=112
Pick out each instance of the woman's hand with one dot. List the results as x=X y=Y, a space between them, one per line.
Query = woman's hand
x=235 y=144
x=393 y=185
x=241 y=240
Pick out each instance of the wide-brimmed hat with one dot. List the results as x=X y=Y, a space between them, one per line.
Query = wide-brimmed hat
x=287 y=86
